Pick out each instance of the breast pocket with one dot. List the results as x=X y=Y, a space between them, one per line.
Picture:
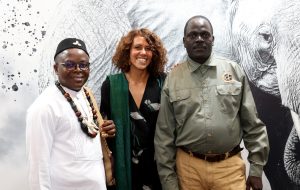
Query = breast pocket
x=181 y=101
x=229 y=96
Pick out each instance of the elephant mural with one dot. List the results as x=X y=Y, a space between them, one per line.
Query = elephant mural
x=271 y=62
x=263 y=36
x=288 y=58
x=256 y=45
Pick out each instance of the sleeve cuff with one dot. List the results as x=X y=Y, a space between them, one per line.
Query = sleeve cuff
x=170 y=184
x=255 y=170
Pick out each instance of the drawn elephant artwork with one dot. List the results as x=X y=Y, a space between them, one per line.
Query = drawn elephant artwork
x=273 y=67
x=260 y=44
x=287 y=55
x=263 y=36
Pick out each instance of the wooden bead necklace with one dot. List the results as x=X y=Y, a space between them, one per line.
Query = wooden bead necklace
x=88 y=127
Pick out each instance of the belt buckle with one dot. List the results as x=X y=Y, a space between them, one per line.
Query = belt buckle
x=207 y=158
x=226 y=155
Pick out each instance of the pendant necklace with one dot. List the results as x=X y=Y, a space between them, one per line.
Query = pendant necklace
x=88 y=127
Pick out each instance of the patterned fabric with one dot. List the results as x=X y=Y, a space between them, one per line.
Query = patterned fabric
x=142 y=125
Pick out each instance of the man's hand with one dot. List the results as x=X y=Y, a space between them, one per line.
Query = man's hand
x=108 y=129
x=254 y=182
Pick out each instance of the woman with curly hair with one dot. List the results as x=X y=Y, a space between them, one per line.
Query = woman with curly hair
x=132 y=100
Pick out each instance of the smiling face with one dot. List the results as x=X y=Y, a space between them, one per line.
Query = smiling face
x=73 y=79
x=198 y=39
x=140 y=54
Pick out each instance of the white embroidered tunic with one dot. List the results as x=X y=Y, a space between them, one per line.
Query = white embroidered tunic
x=60 y=155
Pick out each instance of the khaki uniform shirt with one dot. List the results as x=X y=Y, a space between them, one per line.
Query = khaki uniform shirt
x=208 y=109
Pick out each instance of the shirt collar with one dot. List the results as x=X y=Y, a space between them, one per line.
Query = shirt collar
x=193 y=65
x=73 y=93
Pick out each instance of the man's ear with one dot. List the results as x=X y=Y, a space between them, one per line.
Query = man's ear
x=183 y=40
x=55 y=67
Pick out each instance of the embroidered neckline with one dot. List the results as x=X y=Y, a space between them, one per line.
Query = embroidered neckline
x=90 y=128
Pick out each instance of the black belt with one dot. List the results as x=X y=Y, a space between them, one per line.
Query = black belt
x=213 y=158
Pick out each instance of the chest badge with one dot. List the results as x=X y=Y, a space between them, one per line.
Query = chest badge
x=227 y=77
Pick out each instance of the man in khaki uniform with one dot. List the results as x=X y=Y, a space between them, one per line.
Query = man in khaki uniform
x=206 y=110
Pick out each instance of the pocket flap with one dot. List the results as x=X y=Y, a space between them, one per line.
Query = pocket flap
x=179 y=95
x=229 y=89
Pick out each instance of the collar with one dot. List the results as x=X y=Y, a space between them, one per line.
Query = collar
x=193 y=65
x=72 y=93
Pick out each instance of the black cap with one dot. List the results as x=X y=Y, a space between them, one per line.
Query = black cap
x=69 y=43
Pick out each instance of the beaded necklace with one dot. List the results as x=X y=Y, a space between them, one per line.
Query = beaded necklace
x=88 y=127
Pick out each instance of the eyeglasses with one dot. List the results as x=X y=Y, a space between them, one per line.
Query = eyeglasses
x=195 y=35
x=70 y=65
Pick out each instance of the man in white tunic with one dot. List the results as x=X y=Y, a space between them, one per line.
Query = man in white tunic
x=62 y=140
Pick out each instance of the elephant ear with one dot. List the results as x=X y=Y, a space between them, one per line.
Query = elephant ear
x=100 y=24
x=167 y=18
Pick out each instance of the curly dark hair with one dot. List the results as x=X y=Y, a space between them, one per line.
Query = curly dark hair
x=121 y=57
